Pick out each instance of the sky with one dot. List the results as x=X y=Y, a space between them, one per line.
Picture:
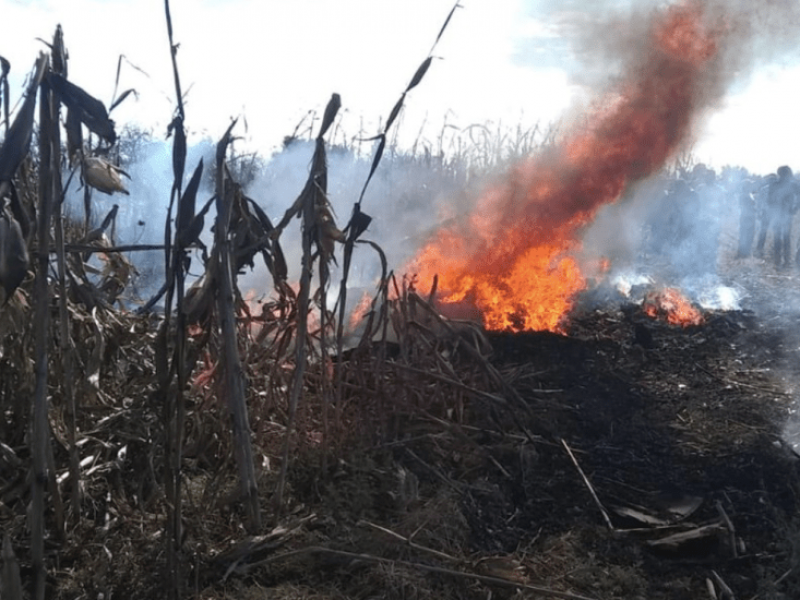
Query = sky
x=501 y=63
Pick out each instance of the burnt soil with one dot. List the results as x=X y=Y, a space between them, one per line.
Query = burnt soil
x=624 y=420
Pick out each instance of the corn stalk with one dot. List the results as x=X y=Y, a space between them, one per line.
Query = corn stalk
x=234 y=376
x=173 y=395
x=41 y=431
x=318 y=232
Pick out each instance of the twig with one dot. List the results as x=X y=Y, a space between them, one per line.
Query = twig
x=411 y=544
x=452 y=382
x=784 y=576
x=728 y=381
x=430 y=568
x=730 y=527
x=500 y=467
x=77 y=248
x=726 y=591
x=588 y=485
x=434 y=470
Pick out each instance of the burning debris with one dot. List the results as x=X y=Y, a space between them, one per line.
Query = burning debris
x=513 y=257
x=673 y=307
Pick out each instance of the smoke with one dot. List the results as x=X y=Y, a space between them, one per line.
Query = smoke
x=603 y=40
x=407 y=197
x=142 y=215
x=655 y=71
x=510 y=255
x=746 y=36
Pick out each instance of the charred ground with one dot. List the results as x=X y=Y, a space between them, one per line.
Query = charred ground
x=449 y=473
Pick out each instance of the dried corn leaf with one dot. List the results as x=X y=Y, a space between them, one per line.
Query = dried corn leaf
x=5 y=67
x=640 y=516
x=91 y=111
x=14 y=257
x=358 y=224
x=74 y=136
x=195 y=227
x=423 y=68
x=186 y=225
x=97 y=233
x=96 y=359
x=375 y=161
x=327 y=232
x=17 y=209
x=18 y=141
x=122 y=97
x=178 y=148
x=447 y=22
x=273 y=256
x=10 y=580
x=677 y=540
x=395 y=112
x=334 y=104
x=59 y=52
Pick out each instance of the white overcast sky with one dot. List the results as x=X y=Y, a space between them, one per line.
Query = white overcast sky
x=271 y=61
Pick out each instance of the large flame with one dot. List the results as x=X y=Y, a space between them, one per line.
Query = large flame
x=512 y=258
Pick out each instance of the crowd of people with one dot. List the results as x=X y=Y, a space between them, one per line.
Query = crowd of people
x=685 y=225
x=769 y=204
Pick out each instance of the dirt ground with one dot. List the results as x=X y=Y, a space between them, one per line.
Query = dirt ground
x=646 y=461
x=637 y=433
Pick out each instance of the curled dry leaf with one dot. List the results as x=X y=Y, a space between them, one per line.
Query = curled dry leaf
x=13 y=254
x=327 y=231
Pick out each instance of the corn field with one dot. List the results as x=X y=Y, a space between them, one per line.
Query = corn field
x=178 y=433
x=146 y=423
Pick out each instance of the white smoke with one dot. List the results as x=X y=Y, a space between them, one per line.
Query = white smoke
x=406 y=198
x=142 y=215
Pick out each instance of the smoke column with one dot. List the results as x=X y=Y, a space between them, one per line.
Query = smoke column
x=511 y=257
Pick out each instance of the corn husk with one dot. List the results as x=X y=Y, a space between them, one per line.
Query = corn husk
x=103 y=176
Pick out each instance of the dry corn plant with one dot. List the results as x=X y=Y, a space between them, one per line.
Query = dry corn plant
x=97 y=402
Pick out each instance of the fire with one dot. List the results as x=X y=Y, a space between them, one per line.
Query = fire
x=360 y=311
x=512 y=258
x=534 y=293
x=670 y=305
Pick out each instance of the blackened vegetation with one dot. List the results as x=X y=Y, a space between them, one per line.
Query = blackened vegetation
x=626 y=459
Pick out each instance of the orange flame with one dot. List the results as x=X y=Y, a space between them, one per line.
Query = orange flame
x=512 y=257
x=670 y=305
x=360 y=311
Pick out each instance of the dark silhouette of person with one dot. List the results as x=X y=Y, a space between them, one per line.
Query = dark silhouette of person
x=747 y=218
x=767 y=213
x=783 y=197
x=704 y=217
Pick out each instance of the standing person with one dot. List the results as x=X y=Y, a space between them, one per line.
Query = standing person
x=747 y=218
x=705 y=219
x=783 y=194
x=767 y=213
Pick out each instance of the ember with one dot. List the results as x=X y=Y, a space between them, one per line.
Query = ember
x=513 y=256
x=671 y=306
